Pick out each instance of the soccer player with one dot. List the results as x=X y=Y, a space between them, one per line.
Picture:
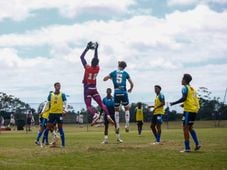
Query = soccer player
x=191 y=107
x=57 y=102
x=28 y=120
x=139 y=117
x=158 y=111
x=89 y=81
x=109 y=102
x=119 y=78
x=43 y=124
x=12 y=121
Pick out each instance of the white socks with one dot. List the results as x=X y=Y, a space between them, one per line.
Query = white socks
x=54 y=135
x=117 y=117
x=127 y=118
x=118 y=136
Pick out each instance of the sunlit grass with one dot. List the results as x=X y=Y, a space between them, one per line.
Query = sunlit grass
x=84 y=149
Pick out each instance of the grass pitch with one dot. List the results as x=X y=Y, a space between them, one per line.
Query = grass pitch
x=84 y=150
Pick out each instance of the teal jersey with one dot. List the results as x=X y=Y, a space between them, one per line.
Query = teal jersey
x=119 y=78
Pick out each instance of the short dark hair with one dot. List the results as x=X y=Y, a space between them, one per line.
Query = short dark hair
x=187 y=78
x=94 y=62
x=158 y=86
x=109 y=89
x=56 y=83
x=122 y=64
x=139 y=104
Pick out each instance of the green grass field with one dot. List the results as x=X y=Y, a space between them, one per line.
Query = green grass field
x=84 y=150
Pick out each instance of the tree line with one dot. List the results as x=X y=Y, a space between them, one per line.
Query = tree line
x=210 y=109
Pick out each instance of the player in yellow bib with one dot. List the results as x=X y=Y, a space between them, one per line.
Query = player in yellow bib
x=139 y=117
x=158 y=111
x=43 y=124
x=191 y=106
x=57 y=101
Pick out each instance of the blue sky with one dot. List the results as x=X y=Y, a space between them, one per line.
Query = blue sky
x=41 y=41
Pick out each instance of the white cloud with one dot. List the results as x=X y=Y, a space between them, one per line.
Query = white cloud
x=187 y=34
x=182 y=2
x=158 y=51
x=21 y=9
x=194 y=2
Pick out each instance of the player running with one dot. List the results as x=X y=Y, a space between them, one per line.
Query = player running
x=191 y=107
x=89 y=81
x=158 y=111
x=109 y=102
x=57 y=102
x=119 y=78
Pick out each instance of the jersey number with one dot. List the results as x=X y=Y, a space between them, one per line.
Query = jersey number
x=119 y=78
x=92 y=76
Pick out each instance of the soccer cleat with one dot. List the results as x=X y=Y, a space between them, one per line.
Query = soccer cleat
x=156 y=143
x=110 y=120
x=95 y=119
x=119 y=140
x=185 y=151
x=37 y=142
x=197 y=147
x=105 y=142
x=126 y=129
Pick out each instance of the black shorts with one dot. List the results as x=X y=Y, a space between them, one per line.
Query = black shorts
x=55 y=118
x=121 y=98
x=140 y=123
x=29 y=121
x=188 y=118
x=156 y=119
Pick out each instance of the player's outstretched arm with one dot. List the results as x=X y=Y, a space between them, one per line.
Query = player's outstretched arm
x=82 y=57
x=106 y=78
x=96 y=50
x=182 y=99
x=131 y=85
x=150 y=107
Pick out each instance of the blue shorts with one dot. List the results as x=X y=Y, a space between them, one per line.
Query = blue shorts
x=121 y=98
x=43 y=122
x=55 y=118
x=188 y=118
x=157 y=119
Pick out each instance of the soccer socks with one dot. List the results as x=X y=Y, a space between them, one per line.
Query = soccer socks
x=118 y=136
x=127 y=118
x=187 y=145
x=194 y=137
x=45 y=136
x=62 y=136
x=117 y=117
x=39 y=135
x=158 y=137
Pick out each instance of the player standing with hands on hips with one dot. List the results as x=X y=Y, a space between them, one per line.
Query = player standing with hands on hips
x=191 y=107
x=89 y=81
